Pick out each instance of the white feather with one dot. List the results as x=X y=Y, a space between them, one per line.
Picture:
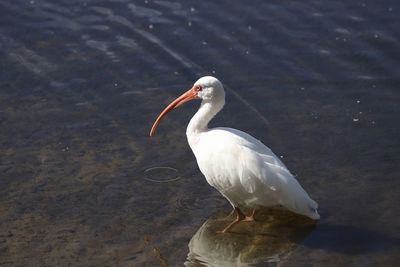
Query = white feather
x=248 y=173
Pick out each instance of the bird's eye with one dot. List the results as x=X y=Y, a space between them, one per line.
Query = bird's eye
x=198 y=88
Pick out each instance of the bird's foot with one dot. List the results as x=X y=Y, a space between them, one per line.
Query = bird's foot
x=240 y=217
x=251 y=217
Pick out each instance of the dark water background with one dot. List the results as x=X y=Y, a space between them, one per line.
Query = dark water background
x=81 y=83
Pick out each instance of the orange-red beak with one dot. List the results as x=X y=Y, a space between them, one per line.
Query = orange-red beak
x=189 y=95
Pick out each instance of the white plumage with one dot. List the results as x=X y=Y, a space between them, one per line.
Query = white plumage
x=239 y=166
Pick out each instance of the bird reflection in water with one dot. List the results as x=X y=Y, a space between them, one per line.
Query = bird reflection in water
x=273 y=233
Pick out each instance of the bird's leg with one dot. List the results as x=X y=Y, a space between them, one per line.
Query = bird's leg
x=251 y=217
x=239 y=217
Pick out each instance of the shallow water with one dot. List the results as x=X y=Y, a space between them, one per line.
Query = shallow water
x=81 y=83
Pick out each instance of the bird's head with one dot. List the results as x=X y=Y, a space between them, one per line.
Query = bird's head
x=207 y=88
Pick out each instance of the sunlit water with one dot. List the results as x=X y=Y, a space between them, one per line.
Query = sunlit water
x=81 y=83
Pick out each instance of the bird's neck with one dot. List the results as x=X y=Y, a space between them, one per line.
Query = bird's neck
x=199 y=123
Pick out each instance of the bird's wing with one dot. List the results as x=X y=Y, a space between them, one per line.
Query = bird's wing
x=256 y=166
x=246 y=158
x=254 y=144
x=231 y=159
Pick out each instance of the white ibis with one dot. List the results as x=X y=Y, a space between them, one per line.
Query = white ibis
x=240 y=167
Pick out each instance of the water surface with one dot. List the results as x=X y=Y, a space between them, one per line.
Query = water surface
x=81 y=83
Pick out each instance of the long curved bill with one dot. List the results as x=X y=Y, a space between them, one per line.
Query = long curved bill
x=189 y=95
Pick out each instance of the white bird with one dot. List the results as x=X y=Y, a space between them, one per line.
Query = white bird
x=240 y=167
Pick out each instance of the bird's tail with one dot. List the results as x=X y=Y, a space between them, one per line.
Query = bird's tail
x=306 y=207
x=312 y=210
x=298 y=201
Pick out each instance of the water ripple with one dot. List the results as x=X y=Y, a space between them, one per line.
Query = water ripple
x=162 y=174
